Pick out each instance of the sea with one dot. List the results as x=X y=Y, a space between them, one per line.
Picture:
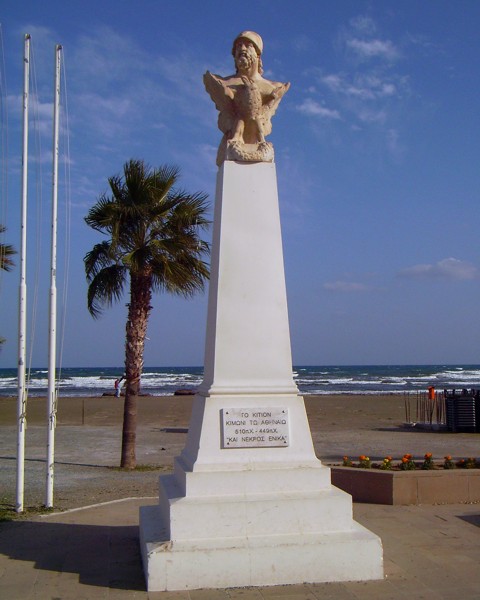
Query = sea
x=164 y=381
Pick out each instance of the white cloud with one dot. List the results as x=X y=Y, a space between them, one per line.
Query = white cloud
x=104 y=57
x=367 y=91
x=374 y=48
x=368 y=115
x=364 y=86
x=201 y=158
x=302 y=43
x=366 y=96
x=114 y=67
x=334 y=82
x=363 y=24
x=107 y=115
x=312 y=108
x=448 y=268
x=345 y=286
x=394 y=144
x=117 y=84
x=388 y=89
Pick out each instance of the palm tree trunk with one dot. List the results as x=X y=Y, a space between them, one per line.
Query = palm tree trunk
x=138 y=312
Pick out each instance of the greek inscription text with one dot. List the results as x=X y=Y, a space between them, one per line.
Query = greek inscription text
x=255 y=428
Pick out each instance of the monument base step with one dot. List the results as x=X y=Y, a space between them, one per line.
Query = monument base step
x=352 y=554
x=252 y=514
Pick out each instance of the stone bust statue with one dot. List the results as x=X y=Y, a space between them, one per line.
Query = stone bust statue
x=246 y=102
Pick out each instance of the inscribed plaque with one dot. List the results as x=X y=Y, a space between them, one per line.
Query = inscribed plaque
x=255 y=427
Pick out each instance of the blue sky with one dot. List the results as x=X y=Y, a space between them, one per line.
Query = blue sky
x=377 y=153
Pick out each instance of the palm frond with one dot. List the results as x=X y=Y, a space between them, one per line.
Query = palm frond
x=139 y=259
x=99 y=257
x=6 y=251
x=182 y=277
x=163 y=180
x=106 y=287
x=102 y=215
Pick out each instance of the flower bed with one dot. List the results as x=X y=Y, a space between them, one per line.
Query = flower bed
x=437 y=486
x=408 y=481
x=408 y=463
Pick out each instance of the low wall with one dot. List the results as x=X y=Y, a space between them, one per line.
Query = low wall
x=445 y=486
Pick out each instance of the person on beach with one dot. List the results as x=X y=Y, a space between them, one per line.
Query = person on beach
x=118 y=387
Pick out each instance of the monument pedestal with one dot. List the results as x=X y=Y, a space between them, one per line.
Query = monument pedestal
x=248 y=502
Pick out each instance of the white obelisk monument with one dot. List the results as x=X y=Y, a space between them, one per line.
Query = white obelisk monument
x=249 y=503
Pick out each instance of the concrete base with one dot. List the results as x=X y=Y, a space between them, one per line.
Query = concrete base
x=252 y=516
x=352 y=554
x=243 y=508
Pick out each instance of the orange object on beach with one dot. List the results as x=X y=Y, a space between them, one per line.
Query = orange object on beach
x=431 y=392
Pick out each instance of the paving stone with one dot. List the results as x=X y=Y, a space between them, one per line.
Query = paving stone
x=429 y=553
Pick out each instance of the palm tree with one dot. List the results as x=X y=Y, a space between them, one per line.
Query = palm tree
x=154 y=244
x=6 y=263
x=6 y=252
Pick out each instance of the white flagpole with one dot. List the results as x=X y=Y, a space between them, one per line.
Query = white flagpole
x=52 y=346
x=22 y=303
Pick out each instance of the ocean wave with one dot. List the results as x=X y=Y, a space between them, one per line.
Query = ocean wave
x=376 y=379
x=472 y=375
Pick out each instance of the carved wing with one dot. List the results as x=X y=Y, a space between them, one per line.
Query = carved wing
x=222 y=97
x=271 y=105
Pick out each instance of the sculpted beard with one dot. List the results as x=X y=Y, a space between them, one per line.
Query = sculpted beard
x=245 y=61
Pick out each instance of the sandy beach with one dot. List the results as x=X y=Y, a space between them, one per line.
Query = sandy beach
x=88 y=441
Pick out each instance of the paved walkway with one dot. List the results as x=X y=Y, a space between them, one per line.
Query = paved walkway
x=431 y=552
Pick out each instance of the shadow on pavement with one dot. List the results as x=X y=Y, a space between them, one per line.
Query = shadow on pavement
x=104 y=556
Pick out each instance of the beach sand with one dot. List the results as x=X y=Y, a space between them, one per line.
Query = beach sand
x=88 y=442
